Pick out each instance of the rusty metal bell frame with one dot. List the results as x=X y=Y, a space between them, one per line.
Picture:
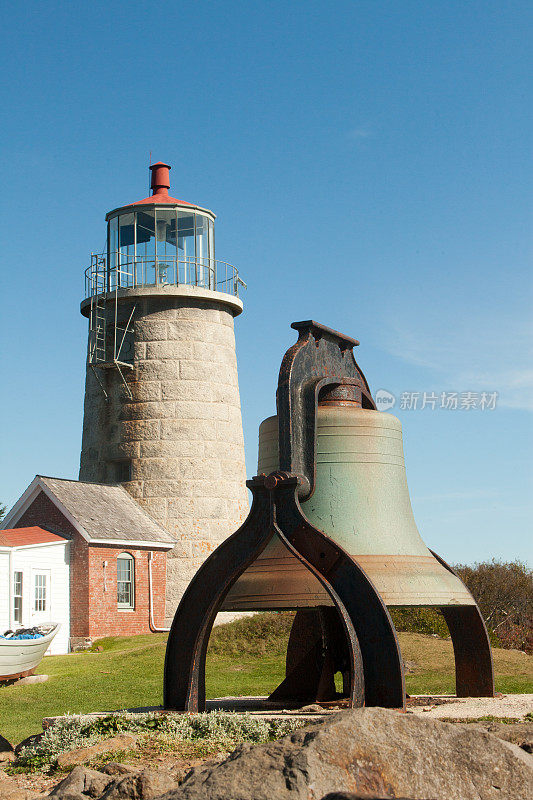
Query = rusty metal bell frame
x=331 y=533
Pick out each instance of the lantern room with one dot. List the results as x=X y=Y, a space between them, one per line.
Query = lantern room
x=156 y=246
x=160 y=241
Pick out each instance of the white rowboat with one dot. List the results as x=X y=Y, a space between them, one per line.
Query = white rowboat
x=19 y=657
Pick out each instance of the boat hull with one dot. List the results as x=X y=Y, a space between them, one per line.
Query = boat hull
x=19 y=657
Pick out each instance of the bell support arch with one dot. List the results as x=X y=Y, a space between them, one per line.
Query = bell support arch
x=474 y=669
x=374 y=674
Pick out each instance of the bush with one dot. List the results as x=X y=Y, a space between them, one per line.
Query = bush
x=504 y=594
x=221 y=728
x=265 y=633
x=419 y=620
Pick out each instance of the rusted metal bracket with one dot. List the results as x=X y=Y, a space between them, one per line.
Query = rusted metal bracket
x=372 y=661
x=320 y=358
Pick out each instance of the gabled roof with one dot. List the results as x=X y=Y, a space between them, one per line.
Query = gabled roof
x=99 y=512
x=22 y=537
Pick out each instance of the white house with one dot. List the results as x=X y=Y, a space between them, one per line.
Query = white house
x=35 y=582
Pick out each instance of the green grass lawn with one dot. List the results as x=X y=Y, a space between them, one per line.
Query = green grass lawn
x=245 y=658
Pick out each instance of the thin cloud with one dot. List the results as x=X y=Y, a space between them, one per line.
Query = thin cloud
x=362 y=132
x=475 y=494
x=467 y=362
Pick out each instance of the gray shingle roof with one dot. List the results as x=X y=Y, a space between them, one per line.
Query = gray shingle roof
x=106 y=512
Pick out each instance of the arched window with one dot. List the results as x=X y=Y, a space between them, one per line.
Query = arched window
x=125 y=581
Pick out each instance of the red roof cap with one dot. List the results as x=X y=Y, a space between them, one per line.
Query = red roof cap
x=160 y=184
x=18 y=537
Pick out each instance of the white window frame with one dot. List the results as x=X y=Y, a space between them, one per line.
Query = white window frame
x=41 y=592
x=18 y=583
x=128 y=605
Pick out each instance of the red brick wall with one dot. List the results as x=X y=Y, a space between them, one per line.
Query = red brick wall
x=93 y=611
x=44 y=513
x=104 y=617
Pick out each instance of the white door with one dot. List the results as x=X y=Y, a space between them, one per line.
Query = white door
x=41 y=597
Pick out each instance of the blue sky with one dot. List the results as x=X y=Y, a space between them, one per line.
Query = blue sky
x=370 y=166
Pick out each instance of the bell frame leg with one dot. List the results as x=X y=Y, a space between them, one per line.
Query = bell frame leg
x=353 y=591
x=316 y=651
x=184 y=678
x=474 y=669
x=474 y=674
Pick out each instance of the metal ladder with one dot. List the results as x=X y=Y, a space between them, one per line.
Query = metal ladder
x=97 y=318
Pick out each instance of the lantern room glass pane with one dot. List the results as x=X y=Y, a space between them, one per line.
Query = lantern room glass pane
x=186 y=251
x=211 y=236
x=211 y=240
x=165 y=223
x=145 y=233
x=113 y=242
x=126 y=240
x=202 y=251
x=146 y=245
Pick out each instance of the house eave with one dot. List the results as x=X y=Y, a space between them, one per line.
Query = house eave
x=132 y=543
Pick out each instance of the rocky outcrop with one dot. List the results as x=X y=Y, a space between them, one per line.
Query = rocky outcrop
x=143 y=785
x=364 y=753
x=82 y=782
x=373 y=752
x=519 y=733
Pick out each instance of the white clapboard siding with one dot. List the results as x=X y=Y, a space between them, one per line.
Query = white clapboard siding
x=4 y=591
x=53 y=557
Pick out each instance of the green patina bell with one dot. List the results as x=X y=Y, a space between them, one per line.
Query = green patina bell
x=361 y=501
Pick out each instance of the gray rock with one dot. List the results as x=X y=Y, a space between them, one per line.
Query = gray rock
x=81 y=782
x=29 y=679
x=122 y=741
x=7 y=752
x=314 y=708
x=30 y=741
x=144 y=785
x=114 y=768
x=371 y=752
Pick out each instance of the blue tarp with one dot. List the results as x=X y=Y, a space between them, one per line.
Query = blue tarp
x=23 y=636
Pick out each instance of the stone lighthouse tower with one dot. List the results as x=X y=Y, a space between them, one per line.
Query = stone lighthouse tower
x=162 y=411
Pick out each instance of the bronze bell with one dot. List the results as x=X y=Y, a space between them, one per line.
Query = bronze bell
x=331 y=533
x=361 y=501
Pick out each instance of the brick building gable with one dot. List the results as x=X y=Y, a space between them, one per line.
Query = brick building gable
x=93 y=589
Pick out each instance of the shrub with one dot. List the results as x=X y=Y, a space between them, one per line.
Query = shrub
x=419 y=620
x=504 y=594
x=263 y=633
x=222 y=728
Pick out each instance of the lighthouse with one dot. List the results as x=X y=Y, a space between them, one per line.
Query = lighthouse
x=162 y=414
